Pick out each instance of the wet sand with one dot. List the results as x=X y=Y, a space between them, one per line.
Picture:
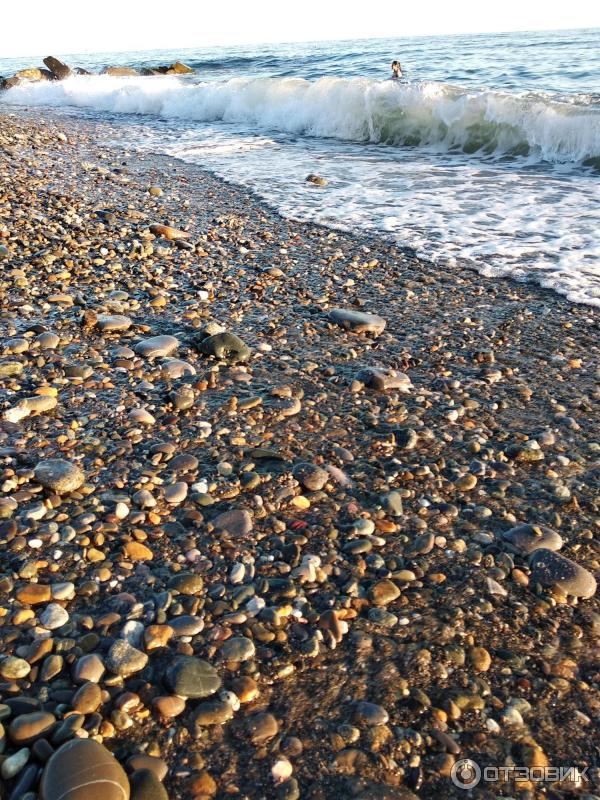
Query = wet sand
x=366 y=620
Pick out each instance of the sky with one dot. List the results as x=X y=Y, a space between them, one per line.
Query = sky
x=39 y=27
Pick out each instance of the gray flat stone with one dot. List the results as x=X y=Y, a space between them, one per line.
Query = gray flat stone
x=192 y=677
x=157 y=346
x=357 y=321
x=525 y=539
x=237 y=522
x=383 y=380
x=113 y=322
x=58 y=475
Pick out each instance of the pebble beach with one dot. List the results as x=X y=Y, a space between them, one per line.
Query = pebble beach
x=285 y=512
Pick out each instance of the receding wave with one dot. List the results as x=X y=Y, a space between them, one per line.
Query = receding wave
x=425 y=114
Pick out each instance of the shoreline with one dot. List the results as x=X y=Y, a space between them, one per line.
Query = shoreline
x=382 y=571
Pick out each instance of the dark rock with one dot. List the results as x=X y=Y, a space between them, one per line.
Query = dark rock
x=382 y=380
x=225 y=345
x=57 y=68
x=146 y=786
x=26 y=728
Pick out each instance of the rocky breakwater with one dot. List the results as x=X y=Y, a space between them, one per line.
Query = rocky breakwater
x=56 y=70
x=283 y=512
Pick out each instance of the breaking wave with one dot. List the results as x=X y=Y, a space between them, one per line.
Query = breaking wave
x=424 y=114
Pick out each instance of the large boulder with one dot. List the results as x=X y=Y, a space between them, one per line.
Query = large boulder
x=120 y=72
x=57 y=68
x=177 y=68
x=154 y=70
x=30 y=74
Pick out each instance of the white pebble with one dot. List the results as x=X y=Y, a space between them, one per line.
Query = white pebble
x=281 y=770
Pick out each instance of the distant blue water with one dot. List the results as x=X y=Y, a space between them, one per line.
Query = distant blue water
x=553 y=61
x=487 y=153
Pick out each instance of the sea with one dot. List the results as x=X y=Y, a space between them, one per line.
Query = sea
x=486 y=153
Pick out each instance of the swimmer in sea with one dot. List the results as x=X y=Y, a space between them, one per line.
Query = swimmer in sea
x=396 y=71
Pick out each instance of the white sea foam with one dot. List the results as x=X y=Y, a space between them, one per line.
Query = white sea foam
x=450 y=193
x=425 y=114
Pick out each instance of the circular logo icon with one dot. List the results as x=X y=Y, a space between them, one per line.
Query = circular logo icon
x=465 y=774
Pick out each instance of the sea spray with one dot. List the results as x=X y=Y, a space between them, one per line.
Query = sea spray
x=426 y=114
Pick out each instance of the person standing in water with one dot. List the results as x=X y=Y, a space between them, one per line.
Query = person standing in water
x=396 y=70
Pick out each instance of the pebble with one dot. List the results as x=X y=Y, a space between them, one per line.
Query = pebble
x=87 y=698
x=124 y=659
x=14 y=763
x=59 y=476
x=527 y=538
x=370 y=714
x=310 y=476
x=554 y=570
x=384 y=380
x=13 y=668
x=384 y=592
x=238 y=648
x=357 y=321
x=236 y=523
x=145 y=785
x=226 y=345
x=26 y=728
x=82 y=769
x=157 y=346
x=193 y=678
x=480 y=658
x=113 y=322
x=54 y=616
x=262 y=727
